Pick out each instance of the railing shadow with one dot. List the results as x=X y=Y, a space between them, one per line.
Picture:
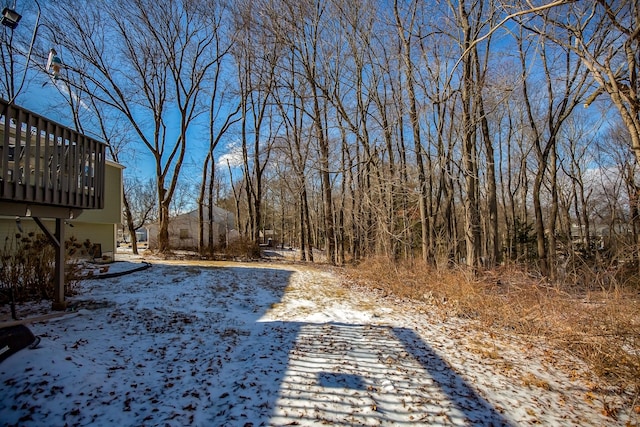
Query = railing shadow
x=341 y=374
x=462 y=395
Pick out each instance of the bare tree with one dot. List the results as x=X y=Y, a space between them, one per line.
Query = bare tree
x=406 y=31
x=575 y=155
x=256 y=55
x=473 y=18
x=221 y=118
x=140 y=207
x=565 y=82
x=15 y=54
x=164 y=54
x=309 y=42
x=290 y=97
x=606 y=37
x=300 y=26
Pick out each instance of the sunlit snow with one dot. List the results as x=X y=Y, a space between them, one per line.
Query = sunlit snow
x=215 y=344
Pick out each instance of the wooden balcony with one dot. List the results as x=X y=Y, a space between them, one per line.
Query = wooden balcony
x=47 y=167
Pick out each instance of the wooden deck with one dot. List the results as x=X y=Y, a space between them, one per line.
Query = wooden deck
x=45 y=164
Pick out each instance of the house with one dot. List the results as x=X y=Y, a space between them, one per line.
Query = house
x=49 y=176
x=184 y=229
x=100 y=226
x=96 y=226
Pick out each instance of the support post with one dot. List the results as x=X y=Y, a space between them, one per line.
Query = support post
x=57 y=240
x=58 y=299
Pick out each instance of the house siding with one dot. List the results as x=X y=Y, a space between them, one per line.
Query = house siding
x=183 y=229
x=112 y=211
x=96 y=226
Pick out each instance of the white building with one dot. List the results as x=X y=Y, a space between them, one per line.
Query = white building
x=184 y=229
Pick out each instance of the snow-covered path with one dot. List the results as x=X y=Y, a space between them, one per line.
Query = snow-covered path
x=214 y=344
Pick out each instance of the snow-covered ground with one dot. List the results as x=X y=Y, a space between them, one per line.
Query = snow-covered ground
x=221 y=344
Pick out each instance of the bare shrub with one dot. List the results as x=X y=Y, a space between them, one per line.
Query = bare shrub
x=241 y=248
x=27 y=267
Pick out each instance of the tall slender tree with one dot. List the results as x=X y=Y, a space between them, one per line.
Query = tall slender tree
x=149 y=61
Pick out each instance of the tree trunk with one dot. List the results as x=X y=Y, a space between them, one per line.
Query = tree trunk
x=326 y=180
x=201 y=244
x=553 y=213
x=417 y=141
x=495 y=251
x=469 y=154
x=163 y=233
x=210 y=216
x=130 y=224
x=306 y=224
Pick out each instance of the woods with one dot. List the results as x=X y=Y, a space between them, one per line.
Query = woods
x=450 y=132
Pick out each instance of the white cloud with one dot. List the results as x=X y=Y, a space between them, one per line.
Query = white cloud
x=233 y=156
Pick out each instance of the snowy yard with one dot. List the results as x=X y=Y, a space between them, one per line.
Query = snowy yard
x=215 y=344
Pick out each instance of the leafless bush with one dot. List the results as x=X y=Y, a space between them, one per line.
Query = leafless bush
x=27 y=268
x=239 y=249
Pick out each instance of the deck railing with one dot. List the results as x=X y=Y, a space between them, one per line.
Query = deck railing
x=45 y=163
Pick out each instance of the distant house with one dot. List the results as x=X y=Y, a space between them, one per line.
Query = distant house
x=184 y=229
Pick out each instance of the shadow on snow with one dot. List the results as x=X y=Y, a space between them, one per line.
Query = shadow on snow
x=240 y=370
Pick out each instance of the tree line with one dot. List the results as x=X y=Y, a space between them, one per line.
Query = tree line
x=453 y=132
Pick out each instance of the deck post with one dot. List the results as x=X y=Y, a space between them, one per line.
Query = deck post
x=58 y=299
x=57 y=240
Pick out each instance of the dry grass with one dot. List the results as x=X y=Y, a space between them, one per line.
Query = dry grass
x=596 y=323
x=530 y=380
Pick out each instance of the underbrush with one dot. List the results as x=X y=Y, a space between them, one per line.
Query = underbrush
x=240 y=249
x=27 y=268
x=599 y=324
